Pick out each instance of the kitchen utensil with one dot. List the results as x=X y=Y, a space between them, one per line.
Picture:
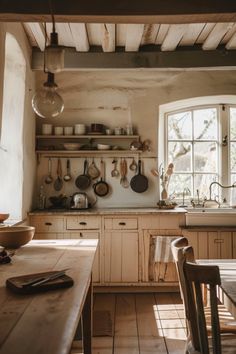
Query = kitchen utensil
x=50 y=277
x=58 y=184
x=80 y=129
x=93 y=171
x=72 y=146
x=103 y=147
x=67 y=176
x=68 y=130
x=133 y=166
x=58 y=130
x=135 y=145
x=155 y=172
x=123 y=171
x=83 y=181
x=58 y=201
x=49 y=178
x=79 y=201
x=139 y=183
x=97 y=128
x=101 y=188
x=115 y=172
x=46 y=129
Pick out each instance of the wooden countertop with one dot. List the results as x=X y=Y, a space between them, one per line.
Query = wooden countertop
x=109 y=211
x=45 y=323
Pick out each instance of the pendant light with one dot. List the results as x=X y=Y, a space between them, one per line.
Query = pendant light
x=54 y=53
x=46 y=102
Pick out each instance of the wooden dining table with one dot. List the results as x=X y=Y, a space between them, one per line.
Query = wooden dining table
x=227 y=290
x=46 y=322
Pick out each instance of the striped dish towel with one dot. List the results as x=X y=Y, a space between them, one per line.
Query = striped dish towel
x=163 y=248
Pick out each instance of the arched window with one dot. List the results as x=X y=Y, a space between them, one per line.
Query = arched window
x=11 y=141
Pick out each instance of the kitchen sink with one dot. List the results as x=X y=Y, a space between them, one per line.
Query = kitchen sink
x=211 y=217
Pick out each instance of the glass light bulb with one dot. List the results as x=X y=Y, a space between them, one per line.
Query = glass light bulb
x=47 y=103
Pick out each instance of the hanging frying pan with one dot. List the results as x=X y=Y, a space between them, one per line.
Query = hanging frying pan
x=101 y=188
x=83 y=181
x=139 y=183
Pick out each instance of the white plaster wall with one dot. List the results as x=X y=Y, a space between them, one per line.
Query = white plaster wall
x=116 y=98
x=29 y=161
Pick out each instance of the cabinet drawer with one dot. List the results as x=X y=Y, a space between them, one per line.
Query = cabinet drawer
x=83 y=223
x=121 y=223
x=48 y=224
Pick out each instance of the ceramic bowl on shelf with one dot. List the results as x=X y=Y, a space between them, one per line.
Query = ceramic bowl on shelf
x=103 y=147
x=71 y=146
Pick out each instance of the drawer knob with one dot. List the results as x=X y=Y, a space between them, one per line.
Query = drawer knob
x=83 y=223
x=48 y=223
x=122 y=223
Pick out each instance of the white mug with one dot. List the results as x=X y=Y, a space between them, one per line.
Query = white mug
x=80 y=129
x=46 y=129
x=58 y=130
x=68 y=130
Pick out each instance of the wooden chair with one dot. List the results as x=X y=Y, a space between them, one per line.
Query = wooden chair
x=209 y=275
x=181 y=254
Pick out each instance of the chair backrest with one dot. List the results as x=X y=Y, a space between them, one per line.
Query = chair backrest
x=197 y=275
x=177 y=247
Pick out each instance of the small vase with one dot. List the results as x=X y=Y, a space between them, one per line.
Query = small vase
x=164 y=194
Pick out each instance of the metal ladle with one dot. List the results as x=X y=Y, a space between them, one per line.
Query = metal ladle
x=67 y=177
x=133 y=166
x=115 y=172
x=49 y=178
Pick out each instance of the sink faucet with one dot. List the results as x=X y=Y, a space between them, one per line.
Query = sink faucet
x=219 y=184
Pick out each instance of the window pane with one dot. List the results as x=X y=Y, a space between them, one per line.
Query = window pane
x=233 y=157
x=178 y=183
x=232 y=123
x=205 y=157
x=205 y=124
x=202 y=183
x=180 y=154
x=180 y=126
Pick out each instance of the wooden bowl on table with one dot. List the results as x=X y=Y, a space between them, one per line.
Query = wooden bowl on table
x=16 y=236
x=3 y=217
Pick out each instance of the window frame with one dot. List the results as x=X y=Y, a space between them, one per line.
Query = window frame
x=223 y=129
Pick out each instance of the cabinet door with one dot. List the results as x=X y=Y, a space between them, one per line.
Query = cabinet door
x=90 y=235
x=46 y=236
x=121 y=257
x=220 y=245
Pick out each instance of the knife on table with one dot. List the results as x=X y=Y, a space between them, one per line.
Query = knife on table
x=42 y=280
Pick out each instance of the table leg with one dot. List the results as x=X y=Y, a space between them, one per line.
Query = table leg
x=87 y=322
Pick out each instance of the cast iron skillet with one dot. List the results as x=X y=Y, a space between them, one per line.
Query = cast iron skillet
x=139 y=183
x=83 y=181
x=101 y=188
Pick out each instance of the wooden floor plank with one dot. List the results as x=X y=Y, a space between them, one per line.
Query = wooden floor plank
x=106 y=302
x=126 y=334
x=149 y=328
x=143 y=324
x=174 y=334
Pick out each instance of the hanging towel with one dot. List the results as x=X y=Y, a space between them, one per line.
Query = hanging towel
x=163 y=248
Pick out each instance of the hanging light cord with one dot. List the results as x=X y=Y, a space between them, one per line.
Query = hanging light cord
x=52 y=14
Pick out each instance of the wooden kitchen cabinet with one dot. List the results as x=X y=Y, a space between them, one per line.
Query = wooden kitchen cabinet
x=121 y=250
x=90 y=235
x=68 y=227
x=211 y=243
x=121 y=257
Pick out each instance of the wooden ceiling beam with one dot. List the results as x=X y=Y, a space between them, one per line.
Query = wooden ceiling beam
x=196 y=59
x=113 y=11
